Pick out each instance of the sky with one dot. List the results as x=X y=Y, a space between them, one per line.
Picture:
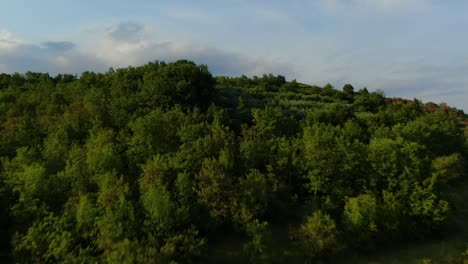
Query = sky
x=407 y=48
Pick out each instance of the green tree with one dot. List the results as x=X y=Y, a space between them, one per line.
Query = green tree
x=348 y=89
x=181 y=82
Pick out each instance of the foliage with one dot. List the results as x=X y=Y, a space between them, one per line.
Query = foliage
x=161 y=162
x=318 y=236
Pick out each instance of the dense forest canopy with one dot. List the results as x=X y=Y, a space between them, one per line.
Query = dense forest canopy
x=166 y=163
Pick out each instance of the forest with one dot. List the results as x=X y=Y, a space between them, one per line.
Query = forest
x=166 y=163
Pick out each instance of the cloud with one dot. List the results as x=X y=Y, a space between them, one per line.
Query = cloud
x=128 y=44
x=34 y=58
x=7 y=41
x=126 y=32
x=220 y=62
x=58 y=46
x=381 y=5
x=223 y=62
x=430 y=82
x=50 y=56
x=136 y=44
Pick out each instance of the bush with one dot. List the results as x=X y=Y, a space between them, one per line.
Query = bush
x=318 y=236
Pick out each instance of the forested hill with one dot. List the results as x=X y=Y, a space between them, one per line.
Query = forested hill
x=165 y=162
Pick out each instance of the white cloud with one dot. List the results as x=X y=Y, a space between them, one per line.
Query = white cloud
x=382 y=5
x=121 y=53
x=7 y=41
x=51 y=56
x=390 y=4
x=128 y=44
x=62 y=61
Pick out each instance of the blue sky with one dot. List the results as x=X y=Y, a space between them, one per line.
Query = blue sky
x=408 y=48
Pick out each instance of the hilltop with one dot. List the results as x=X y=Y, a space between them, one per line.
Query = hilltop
x=166 y=163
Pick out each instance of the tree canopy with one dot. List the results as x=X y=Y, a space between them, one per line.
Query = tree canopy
x=165 y=163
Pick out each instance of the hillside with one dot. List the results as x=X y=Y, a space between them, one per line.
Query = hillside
x=165 y=163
